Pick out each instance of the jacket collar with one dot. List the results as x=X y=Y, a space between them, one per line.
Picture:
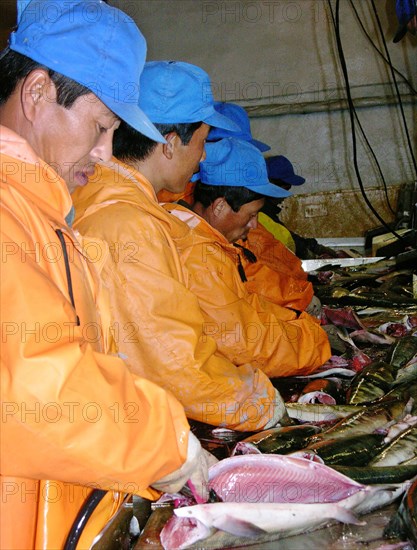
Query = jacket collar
x=39 y=182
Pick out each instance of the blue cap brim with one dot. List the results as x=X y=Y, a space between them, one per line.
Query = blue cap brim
x=294 y=180
x=270 y=190
x=260 y=145
x=217 y=120
x=401 y=32
x=134 y=116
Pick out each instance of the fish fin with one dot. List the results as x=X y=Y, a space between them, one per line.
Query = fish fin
x=345 y=516
x=238 y=527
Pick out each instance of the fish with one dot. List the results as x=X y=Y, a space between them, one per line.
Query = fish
x=286 y=519
x=404 y=523
x=400 y=450
x=279 y=478
x=402 y=352
x=373 y=382
x=317 y=397
x=331 y=386
x=319 y=412
x=267 y=494
x=344 y=317
x=406 y=374
x=366 y=420
x=336 y=365
x=369 y=475
x=372 y=336
x=277 y=440
x=402 y=391
x=356 y=450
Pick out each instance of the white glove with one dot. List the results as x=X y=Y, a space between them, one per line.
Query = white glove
x=314 y=307
x=280 y=416
x=194 y=469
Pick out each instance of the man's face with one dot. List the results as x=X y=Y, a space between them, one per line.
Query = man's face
x=187 y=159
x=73 y=140
x=236 y=225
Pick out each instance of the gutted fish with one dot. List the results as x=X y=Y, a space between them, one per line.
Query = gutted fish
x=267 y=494
x=278 y=478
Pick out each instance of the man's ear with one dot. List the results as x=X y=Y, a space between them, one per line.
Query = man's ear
x=172 y=141
x=37 y=88
x=218 y=206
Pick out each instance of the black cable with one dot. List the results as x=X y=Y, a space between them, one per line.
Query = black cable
x=396 y=88
x=370 y=148
x=384 y=183
x=86 y=510
x=405 y=79
x=68 y=272
x=352 y=117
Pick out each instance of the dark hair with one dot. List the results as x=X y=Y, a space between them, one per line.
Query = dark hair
x=131 y=145
x=235 y=197
x=14 y=67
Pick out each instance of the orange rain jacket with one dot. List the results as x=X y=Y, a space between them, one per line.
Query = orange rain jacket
x=244 y=325
x=72 y=418
x=277 y=274
x=157 y=321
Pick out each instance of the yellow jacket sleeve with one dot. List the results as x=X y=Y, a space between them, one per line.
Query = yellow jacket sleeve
x=279 y=231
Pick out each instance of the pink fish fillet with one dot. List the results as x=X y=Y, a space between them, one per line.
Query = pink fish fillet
x=266 y=494
x=279 y=478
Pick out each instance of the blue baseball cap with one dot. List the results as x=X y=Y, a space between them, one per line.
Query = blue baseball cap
x=234 y=162
x=405 y=10
x=240 y=117
x=280 y=168
x=175 y=92
x=94 y=44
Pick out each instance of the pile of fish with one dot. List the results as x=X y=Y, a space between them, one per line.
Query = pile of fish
x=353 y=445
x=386 y=283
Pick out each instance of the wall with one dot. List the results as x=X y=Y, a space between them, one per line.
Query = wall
x=278 y=59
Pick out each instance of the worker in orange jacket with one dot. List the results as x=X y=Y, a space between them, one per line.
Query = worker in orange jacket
x=272 y=270
x=232 y=188
x=161 y=325
x=76 y=423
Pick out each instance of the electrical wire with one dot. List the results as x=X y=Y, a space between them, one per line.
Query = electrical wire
x=405 y=79
x=342 y=59
x=372 y=152
x=400 y=103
